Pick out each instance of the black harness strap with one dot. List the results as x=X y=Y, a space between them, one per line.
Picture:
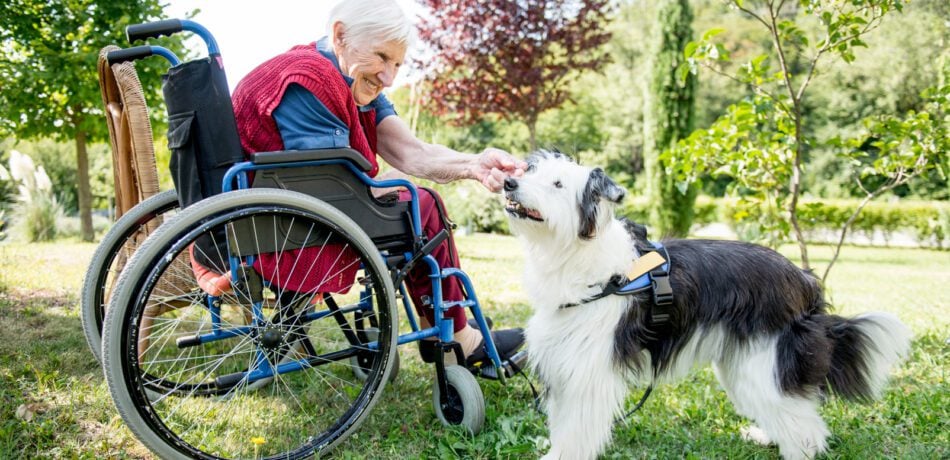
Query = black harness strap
x=660 y=314
x=662 y=309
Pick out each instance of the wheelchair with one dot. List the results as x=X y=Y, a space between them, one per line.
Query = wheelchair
x=290 y=353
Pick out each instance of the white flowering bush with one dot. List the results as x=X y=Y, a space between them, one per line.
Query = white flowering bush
x=36 y=211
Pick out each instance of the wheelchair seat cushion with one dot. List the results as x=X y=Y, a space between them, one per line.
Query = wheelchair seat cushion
x=209 y=281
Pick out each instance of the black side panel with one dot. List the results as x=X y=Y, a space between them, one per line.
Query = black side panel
x=202 y=133
x=387 y=224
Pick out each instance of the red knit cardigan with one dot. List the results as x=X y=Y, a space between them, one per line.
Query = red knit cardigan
x=330 y=268
x=260 y=92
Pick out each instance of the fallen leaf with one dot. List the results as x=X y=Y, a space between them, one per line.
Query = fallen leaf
x=26 y=412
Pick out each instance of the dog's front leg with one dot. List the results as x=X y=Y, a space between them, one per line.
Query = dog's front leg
x=581 y=416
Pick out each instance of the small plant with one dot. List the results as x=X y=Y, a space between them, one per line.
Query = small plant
x=4 y=180
x=36 y=210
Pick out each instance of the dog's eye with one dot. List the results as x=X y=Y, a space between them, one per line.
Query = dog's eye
x=558 y=184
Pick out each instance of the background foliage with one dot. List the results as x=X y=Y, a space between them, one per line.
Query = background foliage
x=511 y=59
x=48 y=53
x=602 y=120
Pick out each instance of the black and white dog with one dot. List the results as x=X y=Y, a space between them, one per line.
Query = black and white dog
x=758 y=318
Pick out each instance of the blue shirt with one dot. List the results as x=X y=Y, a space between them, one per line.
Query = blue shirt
x=306 y=123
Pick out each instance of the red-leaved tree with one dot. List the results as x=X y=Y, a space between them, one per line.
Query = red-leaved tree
x=511 y=58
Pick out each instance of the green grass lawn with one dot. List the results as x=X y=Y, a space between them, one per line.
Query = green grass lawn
x=46 y=367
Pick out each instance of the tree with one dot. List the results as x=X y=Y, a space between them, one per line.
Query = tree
x=761 y=141
x=670 y=116
x=514 y=59
x=48 y=53
x=894 y=150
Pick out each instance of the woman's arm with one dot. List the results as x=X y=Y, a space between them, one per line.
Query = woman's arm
x=440 y=164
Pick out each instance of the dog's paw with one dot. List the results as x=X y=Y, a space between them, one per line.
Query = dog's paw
x=755 y=434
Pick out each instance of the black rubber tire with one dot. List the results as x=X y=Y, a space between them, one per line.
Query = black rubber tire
x=466 y=405
x=300 y=413
x=126 y=234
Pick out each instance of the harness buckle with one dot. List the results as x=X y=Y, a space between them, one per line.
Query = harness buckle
x=662 y=299
x=662 y=291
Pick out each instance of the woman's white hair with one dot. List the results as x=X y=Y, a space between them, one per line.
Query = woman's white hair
x=366 y=22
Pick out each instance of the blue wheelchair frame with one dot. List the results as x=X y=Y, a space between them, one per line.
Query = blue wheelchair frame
x=443 y=328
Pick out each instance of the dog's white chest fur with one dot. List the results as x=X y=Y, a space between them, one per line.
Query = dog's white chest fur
x=574 y=344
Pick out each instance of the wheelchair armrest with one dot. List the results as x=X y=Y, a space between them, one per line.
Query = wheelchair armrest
x=288 y=156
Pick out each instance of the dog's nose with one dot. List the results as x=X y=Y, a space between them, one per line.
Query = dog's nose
x=510 y=184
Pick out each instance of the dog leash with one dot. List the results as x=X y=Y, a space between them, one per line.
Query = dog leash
x=649 y=271
x=643 y=399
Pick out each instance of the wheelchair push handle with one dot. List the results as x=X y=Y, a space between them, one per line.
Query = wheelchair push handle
x=170 y=27
x=139 y=52
x=153 y=29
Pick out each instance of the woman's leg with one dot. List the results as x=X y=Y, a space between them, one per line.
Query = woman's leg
x=417 y=280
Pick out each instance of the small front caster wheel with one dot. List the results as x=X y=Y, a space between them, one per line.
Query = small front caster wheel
x=464 y=404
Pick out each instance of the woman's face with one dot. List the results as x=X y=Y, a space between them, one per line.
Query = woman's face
x=372 y=68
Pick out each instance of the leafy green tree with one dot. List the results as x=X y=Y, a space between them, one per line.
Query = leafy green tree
x=670 y=118
x=888 y=78
x=893 y=150
x=761 y=141
x=48 y=53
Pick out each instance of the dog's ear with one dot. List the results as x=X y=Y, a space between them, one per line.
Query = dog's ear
x=639 y=232
x=598 y=186
x=605 y=187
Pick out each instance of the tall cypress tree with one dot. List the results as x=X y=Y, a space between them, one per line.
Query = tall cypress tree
x=670 y=112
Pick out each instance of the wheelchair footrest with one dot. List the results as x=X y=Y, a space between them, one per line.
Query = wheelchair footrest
x=510 y=367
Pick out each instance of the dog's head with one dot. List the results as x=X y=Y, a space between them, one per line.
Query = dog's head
x=560 y=197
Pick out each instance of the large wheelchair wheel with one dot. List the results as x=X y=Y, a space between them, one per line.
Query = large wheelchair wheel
x=186 y=375
x=117 y=246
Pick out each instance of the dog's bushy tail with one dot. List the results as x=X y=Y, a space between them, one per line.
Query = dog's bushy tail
x=865 y=350
x=852 y=357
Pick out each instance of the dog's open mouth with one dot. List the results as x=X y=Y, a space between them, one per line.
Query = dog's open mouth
x=518 y=210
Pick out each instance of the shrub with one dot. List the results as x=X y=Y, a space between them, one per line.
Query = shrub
x=36 y=211
x=474 y=208
x=927 y=221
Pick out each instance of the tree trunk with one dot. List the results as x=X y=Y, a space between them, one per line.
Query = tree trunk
x=85 y=194
x=533 y=134
x=795 y=186
x=796 y=191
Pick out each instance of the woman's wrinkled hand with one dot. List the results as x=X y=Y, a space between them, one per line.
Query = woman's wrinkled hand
x=494 y=165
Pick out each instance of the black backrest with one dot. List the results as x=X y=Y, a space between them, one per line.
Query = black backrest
x=202 y=132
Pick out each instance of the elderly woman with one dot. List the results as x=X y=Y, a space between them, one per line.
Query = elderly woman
x=328 y=94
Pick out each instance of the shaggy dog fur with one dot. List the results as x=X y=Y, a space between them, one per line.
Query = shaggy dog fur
x=761 y=321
